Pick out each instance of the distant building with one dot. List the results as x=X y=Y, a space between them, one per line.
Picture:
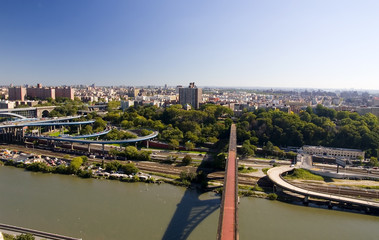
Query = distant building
x=191 y=95
x=7 y=105
x=126 y=104
x=16 y=93
x=365 y=110
x=66 y=92
x=133 y=92
x=40 y=92
x=333 y=152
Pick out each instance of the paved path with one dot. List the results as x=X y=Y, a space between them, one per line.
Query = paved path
x=275 y=176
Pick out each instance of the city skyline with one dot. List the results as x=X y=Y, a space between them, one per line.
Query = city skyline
x=280 y=44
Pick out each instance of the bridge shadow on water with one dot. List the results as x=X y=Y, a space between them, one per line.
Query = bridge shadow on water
x=190 y=212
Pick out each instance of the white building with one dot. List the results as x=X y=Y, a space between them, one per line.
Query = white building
x=334 y=152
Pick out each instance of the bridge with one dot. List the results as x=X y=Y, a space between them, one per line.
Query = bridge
x=12 y=115
x=228 y=221
x=30 y=112
x=85 y=141
x=26 y=122
x=275 y=176
x=98 y=134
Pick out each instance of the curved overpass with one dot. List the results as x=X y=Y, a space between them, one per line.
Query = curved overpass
x=12 y=114
x=41 y=124
x=84 y=141
x=275 y=176
x=106 y=131
x=26 y=122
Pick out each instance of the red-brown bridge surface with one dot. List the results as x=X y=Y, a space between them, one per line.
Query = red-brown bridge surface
x=228 y=224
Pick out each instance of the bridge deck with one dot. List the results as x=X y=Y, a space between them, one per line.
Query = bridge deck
x=228 y=215
x=85 y=141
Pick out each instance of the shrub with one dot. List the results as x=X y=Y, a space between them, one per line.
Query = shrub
x=85 y=174
x=189 y=176
x=272 y=196
x=187 y=160
x=26 y=236
x=257 y=188
x=39 y=167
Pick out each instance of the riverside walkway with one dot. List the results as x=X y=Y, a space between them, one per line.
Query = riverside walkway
x=44 y=235
x=228 y=221
x=275 y=176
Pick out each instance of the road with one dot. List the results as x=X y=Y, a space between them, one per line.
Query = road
x=275 y=176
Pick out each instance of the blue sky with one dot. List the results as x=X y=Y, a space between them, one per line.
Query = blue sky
x=295 y=44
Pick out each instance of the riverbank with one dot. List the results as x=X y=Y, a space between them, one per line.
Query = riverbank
x=149 y=172
x=178 y=175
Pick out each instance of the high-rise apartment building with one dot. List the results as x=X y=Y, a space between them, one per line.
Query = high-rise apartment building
x=66 y=92
x=16 y=93
x=191 y=95
x=40 y=92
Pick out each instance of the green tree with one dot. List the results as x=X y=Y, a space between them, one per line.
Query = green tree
x=99 y=125
x=129 y=168
x=247 y=149
x=113 y=105
x=113 y=152
x=374 y=162
x=75 y=164
x=189 y=145
x=131 y=152
x=269 y=148
x=126 y=124
x=174 y=144
x=112 y=166
x=187 y=160
x=86 y=130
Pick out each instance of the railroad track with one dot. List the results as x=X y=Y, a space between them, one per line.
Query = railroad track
x=342 y=191
x=46 y=235
x=149 y=166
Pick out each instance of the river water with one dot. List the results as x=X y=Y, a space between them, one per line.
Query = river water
x=102 y=209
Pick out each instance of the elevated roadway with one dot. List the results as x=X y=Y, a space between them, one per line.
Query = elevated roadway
x=98 y=134
x=275 y=176
x=12 y=115
x=86 y=141
x=26 y=122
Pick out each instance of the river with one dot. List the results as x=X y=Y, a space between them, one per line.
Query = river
x=103 y=209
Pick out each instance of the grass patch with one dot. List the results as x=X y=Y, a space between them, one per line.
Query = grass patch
x=299 y=173
x=244 y=187
x=54 y=134
x=257 y=188
x=264 y=170
x=243 y=169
